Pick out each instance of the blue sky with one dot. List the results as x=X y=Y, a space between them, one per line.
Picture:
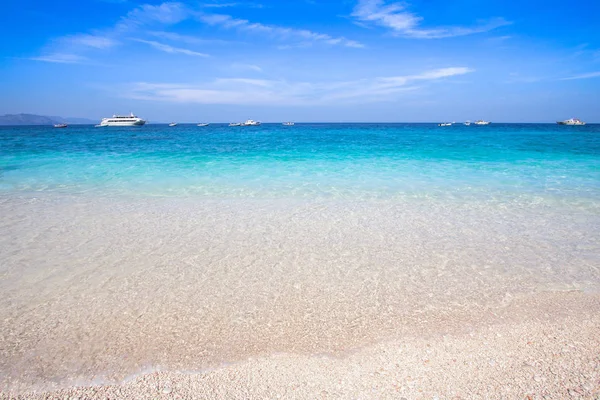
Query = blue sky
x=303 y=60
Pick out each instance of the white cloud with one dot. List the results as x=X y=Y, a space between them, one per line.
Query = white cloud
x=583 y=76
x=68 y=49
x=281 y=33
x=167 y=13
x=170 y=49
x=404 y=23
x=224 y=5
x=247 y=81
x=251 y=67
x=244 y=91
x=219 y=5
x=148 y=17
x=86 y=40
x=61 y=58
x=176 y=37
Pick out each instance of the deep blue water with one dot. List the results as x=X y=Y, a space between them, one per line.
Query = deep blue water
x=305 y=160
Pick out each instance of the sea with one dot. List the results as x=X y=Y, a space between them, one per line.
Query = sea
x=317 y=161
x=124 y=250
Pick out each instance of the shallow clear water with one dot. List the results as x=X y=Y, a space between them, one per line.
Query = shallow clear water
x=130 y=249
x=307 y=160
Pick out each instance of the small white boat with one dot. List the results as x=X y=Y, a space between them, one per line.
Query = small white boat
x=203 y=124
x=250 y=122
x=288 y=124
x=468 y=123
x=60 y=125
x=482 y=122
x=445 y=124
x=173 y=124
x=572 y=122
x=235 y=124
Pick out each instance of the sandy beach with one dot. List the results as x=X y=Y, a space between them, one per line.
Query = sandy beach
x=543 y=347
x=139 y=298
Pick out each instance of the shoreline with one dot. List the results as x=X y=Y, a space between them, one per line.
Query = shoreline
x=540 y=345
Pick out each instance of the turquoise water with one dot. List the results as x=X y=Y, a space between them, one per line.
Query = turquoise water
x=306 y=160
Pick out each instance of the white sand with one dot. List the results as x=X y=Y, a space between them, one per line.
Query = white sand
x=545 y=347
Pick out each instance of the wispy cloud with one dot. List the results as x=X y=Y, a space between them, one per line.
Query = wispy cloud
x=176 y=37
x=170 y=49
x=244 y=91
x=88 y=40
x=499 y=39
x=151 y=19
x=61 y=58
x=69 y=49
x=219 y=5
x=233 y=4
x=281 y=33
x=167 y=13
x=247 y=81
x=251 y=67
x=586 y=52
x=402 y=22
x=583 y=76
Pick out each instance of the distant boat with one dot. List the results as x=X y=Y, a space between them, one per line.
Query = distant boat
x=60 y=125
x=250 y=122
x=482 y=122
x=235 y=124
x=203 y=124
x=467 y=123
x=572 y=121
x=288 y=124
x=173 y=124
x=122 y=120
x=445 y=124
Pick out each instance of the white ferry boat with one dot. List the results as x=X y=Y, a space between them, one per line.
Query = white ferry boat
x=288 y=124
x=572 y=121
x=250 y=122
x=482 y=122
x=122 y=120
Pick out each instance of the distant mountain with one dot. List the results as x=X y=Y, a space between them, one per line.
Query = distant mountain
x=32 y=119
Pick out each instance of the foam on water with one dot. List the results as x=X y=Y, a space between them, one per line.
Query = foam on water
x=129 y=249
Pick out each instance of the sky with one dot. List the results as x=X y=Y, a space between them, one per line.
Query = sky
x=302 y=60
